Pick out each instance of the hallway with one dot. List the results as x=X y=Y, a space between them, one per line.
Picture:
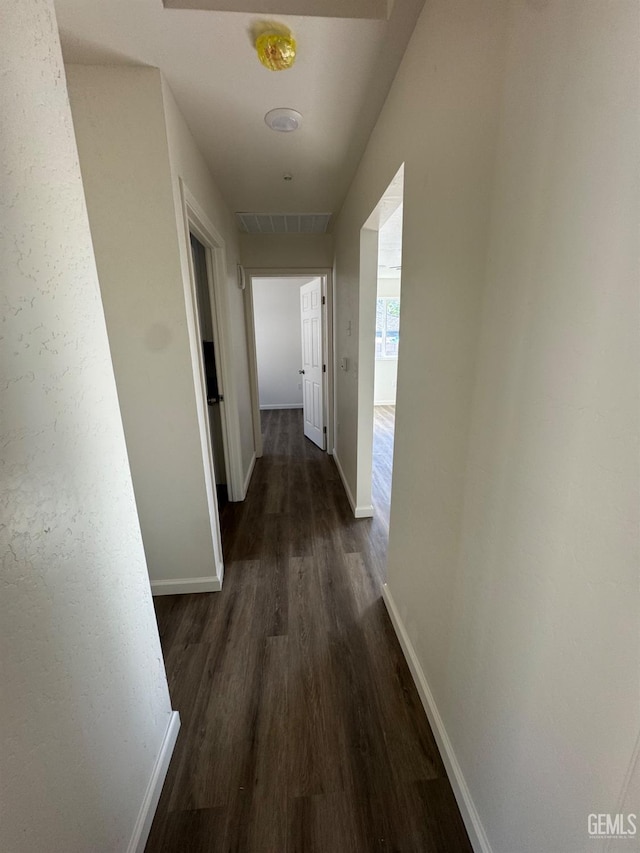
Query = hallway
x=301 y=726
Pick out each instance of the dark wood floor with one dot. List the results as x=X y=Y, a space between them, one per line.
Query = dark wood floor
x=302 y=731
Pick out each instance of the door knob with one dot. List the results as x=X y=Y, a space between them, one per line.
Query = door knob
x=301 y=371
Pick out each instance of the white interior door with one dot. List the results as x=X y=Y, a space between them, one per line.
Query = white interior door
x=312 y=367
x=200 y=309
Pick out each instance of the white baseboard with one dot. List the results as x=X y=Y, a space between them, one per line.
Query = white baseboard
x=358 y=511
x=470 y=815
x=363 y=511
x=281 y=406
x=154 y=788
x=352 y=503
x=384 y=402
x=182 y=586
x=247 y=479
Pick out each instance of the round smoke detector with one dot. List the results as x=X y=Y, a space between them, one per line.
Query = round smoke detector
x=284 y=120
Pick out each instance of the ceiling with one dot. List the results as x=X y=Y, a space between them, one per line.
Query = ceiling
x=340 y=79
x=321 y=8
x=390 y=246
x=386 y=219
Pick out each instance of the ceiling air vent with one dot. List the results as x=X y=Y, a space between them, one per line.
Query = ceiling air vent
x=283 y=223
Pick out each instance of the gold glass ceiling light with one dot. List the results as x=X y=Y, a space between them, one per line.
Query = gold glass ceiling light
x=276 y=48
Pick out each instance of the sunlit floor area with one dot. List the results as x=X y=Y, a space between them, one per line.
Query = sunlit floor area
x=384 y=421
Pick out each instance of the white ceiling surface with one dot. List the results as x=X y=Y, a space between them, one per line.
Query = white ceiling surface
x=386 y=219
x=321 y=8
x=390 y=246
x=339 y=82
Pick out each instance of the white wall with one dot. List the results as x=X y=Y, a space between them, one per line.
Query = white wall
x=134 y=148
x=276 y=305
x=386 y=380
x=279 y=251
x=85 y=704
x=441 y=124
x=119 y=122
x=386 y=369
x=546 y=598
x=513 y=555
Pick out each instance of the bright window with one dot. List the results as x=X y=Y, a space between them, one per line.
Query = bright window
x=387 y=327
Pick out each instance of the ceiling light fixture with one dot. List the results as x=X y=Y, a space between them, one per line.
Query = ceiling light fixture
x=283 y=119
x=276 y=47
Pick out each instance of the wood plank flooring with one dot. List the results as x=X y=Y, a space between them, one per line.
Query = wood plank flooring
x=384 y=420
x=302 y=731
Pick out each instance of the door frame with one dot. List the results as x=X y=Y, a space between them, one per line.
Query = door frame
x=197 y=223
x=326 y=273
x=391 y=198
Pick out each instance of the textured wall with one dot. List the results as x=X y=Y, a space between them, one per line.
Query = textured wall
x=84 y=696
x=118 y=115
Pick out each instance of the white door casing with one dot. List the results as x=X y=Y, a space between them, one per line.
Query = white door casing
x=312 y=366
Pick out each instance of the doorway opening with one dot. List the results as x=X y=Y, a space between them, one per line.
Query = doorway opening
x=387 y=344
x=213 y=381
x=207 y=309
x=379 y=348
x=290 y=356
